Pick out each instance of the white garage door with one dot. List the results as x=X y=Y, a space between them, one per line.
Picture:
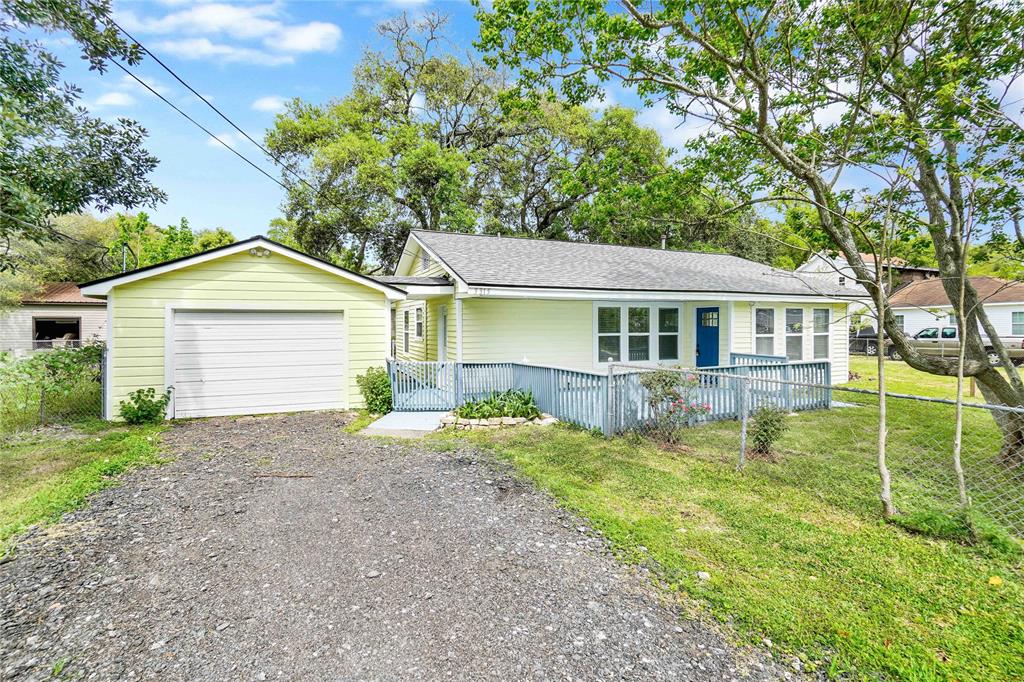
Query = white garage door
x=256 y=362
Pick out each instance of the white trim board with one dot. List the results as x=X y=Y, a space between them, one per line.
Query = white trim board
x=103 y=288
x=642 y=296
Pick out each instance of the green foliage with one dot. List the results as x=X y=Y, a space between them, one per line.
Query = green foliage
x=65 y=381
x=147 y=244
x=375 y=385
x=55 y=157
x=505 y=404
x=144 y=406
x=767 y=426
x=673 y=397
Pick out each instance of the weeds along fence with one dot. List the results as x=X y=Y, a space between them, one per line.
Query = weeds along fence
x=61 y=385
x=824 y=439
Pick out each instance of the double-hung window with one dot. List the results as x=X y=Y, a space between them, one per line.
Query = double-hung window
x=405 y=331
x=764 y=331
x=419 y=322
x=901 y=321
x=637 y=333
x=795 y=333
x=1017 y=323
x=821 y=322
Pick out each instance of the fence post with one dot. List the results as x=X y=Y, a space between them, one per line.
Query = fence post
x=743 y=405
x=609 y=408
x=458 y=384
x=787 y=388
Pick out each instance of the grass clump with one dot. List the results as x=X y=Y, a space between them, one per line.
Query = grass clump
x=43 y=477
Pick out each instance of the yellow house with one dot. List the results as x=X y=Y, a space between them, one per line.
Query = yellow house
x=249 y=328
x=480 y=298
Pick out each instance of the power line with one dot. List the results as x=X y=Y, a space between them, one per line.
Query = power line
x=197 y=123
x=276 y=159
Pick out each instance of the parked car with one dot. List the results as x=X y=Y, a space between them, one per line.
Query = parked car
x=865 y=340
x=944 y=341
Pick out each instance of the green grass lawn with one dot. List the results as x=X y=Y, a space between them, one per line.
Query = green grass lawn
x=41 y=477
x=795 y=548
x=902 y=378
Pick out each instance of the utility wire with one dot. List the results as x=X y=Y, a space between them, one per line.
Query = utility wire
x=276 y=159
x=197 y=123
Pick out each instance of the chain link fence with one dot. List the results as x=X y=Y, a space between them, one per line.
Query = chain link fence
x=52 y=386
x=824 y=439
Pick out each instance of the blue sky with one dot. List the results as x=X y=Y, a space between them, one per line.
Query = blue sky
x=247 y=58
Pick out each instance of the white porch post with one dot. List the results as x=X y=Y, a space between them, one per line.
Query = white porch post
x=458 y=329
x=728 y=333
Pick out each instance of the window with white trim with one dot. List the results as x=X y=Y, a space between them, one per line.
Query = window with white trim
x=1017 y=323
x=405 y=331
x=637 y=333
x=764 y=331
x=821 y=323
x=795 y=333
x=668 y=333
x=424 y=260
x=901 y=321
x=419 y=322
x=609 y=334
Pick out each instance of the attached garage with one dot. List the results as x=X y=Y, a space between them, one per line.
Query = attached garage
x=250 y=328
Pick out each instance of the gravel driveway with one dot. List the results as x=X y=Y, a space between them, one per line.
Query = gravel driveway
x=386 y=561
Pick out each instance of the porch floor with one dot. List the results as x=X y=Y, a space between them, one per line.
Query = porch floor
x=405 y=424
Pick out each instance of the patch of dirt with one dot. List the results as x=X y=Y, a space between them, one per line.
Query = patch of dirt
x=389 y=561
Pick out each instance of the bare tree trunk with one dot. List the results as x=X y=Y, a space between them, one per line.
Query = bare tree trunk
x=961 y=320
x=885 y=492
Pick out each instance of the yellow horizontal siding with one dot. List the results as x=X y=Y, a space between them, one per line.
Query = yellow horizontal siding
x=277 y=283
x=540 y=332
x=417 y=346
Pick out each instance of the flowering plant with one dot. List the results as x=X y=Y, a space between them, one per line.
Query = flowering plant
x=675 y=401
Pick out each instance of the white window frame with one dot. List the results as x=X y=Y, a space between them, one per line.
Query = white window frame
x=653 y=332
x=1017 y=328
x=798 y=334
x=770 y=335
x=405 y=331
x=901 y=320
x=827 y=333
x=424 y=260
x=420 y=324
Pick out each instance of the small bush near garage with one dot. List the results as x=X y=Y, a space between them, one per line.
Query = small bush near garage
x=506 y=404
x=144 y=406
x=375 y=386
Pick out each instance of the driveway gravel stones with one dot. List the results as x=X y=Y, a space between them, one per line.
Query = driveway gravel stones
x=283 y=548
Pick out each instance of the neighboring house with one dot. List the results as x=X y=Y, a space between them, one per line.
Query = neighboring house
x=477 y=298
x=837 y=270
x=258 y=327
x=60 y=315
x=924 y=304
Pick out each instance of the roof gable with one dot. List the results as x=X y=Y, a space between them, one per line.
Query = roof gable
x=61 y=293
x=928 y=293
x=492 y=261
x=102 y=287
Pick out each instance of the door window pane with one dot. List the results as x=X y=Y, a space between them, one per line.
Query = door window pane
x=608 y=320
x=795 y=347
x=639 y=348
x=608 y=348
x=668 y=320
x=639 y=320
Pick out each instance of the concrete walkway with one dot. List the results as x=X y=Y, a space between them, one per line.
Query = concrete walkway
x=405 y=424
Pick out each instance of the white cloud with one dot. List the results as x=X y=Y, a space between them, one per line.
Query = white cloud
x=674 y=130
x=271 y=103
x=254 y=33
x=316 y=36
x=129 y=83
x=230 y=137
x=115 y=99
x=599 y=103
x=202 y=48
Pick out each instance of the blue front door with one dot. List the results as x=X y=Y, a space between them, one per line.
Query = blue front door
x=707 y=337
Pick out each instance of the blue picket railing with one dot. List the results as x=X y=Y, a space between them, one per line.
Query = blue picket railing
x=612 y=403
x=756 y=359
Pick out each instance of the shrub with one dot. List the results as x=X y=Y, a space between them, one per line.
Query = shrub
x=145 y=407
x=675 y=400
x=507 y=404
x=767 y=427
x=375 y=386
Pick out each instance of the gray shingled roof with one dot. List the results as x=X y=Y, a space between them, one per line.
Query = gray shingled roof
x=399 y=280
x=509 y=261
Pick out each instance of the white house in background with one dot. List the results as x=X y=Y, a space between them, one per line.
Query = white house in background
x=924 y=304
x=60 y=315
x=837 y=271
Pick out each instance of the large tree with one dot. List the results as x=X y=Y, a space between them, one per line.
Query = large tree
x=886 y=117
x=54 y=157
x=423 y=142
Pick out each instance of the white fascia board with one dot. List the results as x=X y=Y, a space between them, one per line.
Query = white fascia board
x=103 y=288
x=421 y=292
x=616 y=295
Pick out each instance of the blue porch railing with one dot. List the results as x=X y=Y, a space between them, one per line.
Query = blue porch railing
x=756 y=359
x=615 y=402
